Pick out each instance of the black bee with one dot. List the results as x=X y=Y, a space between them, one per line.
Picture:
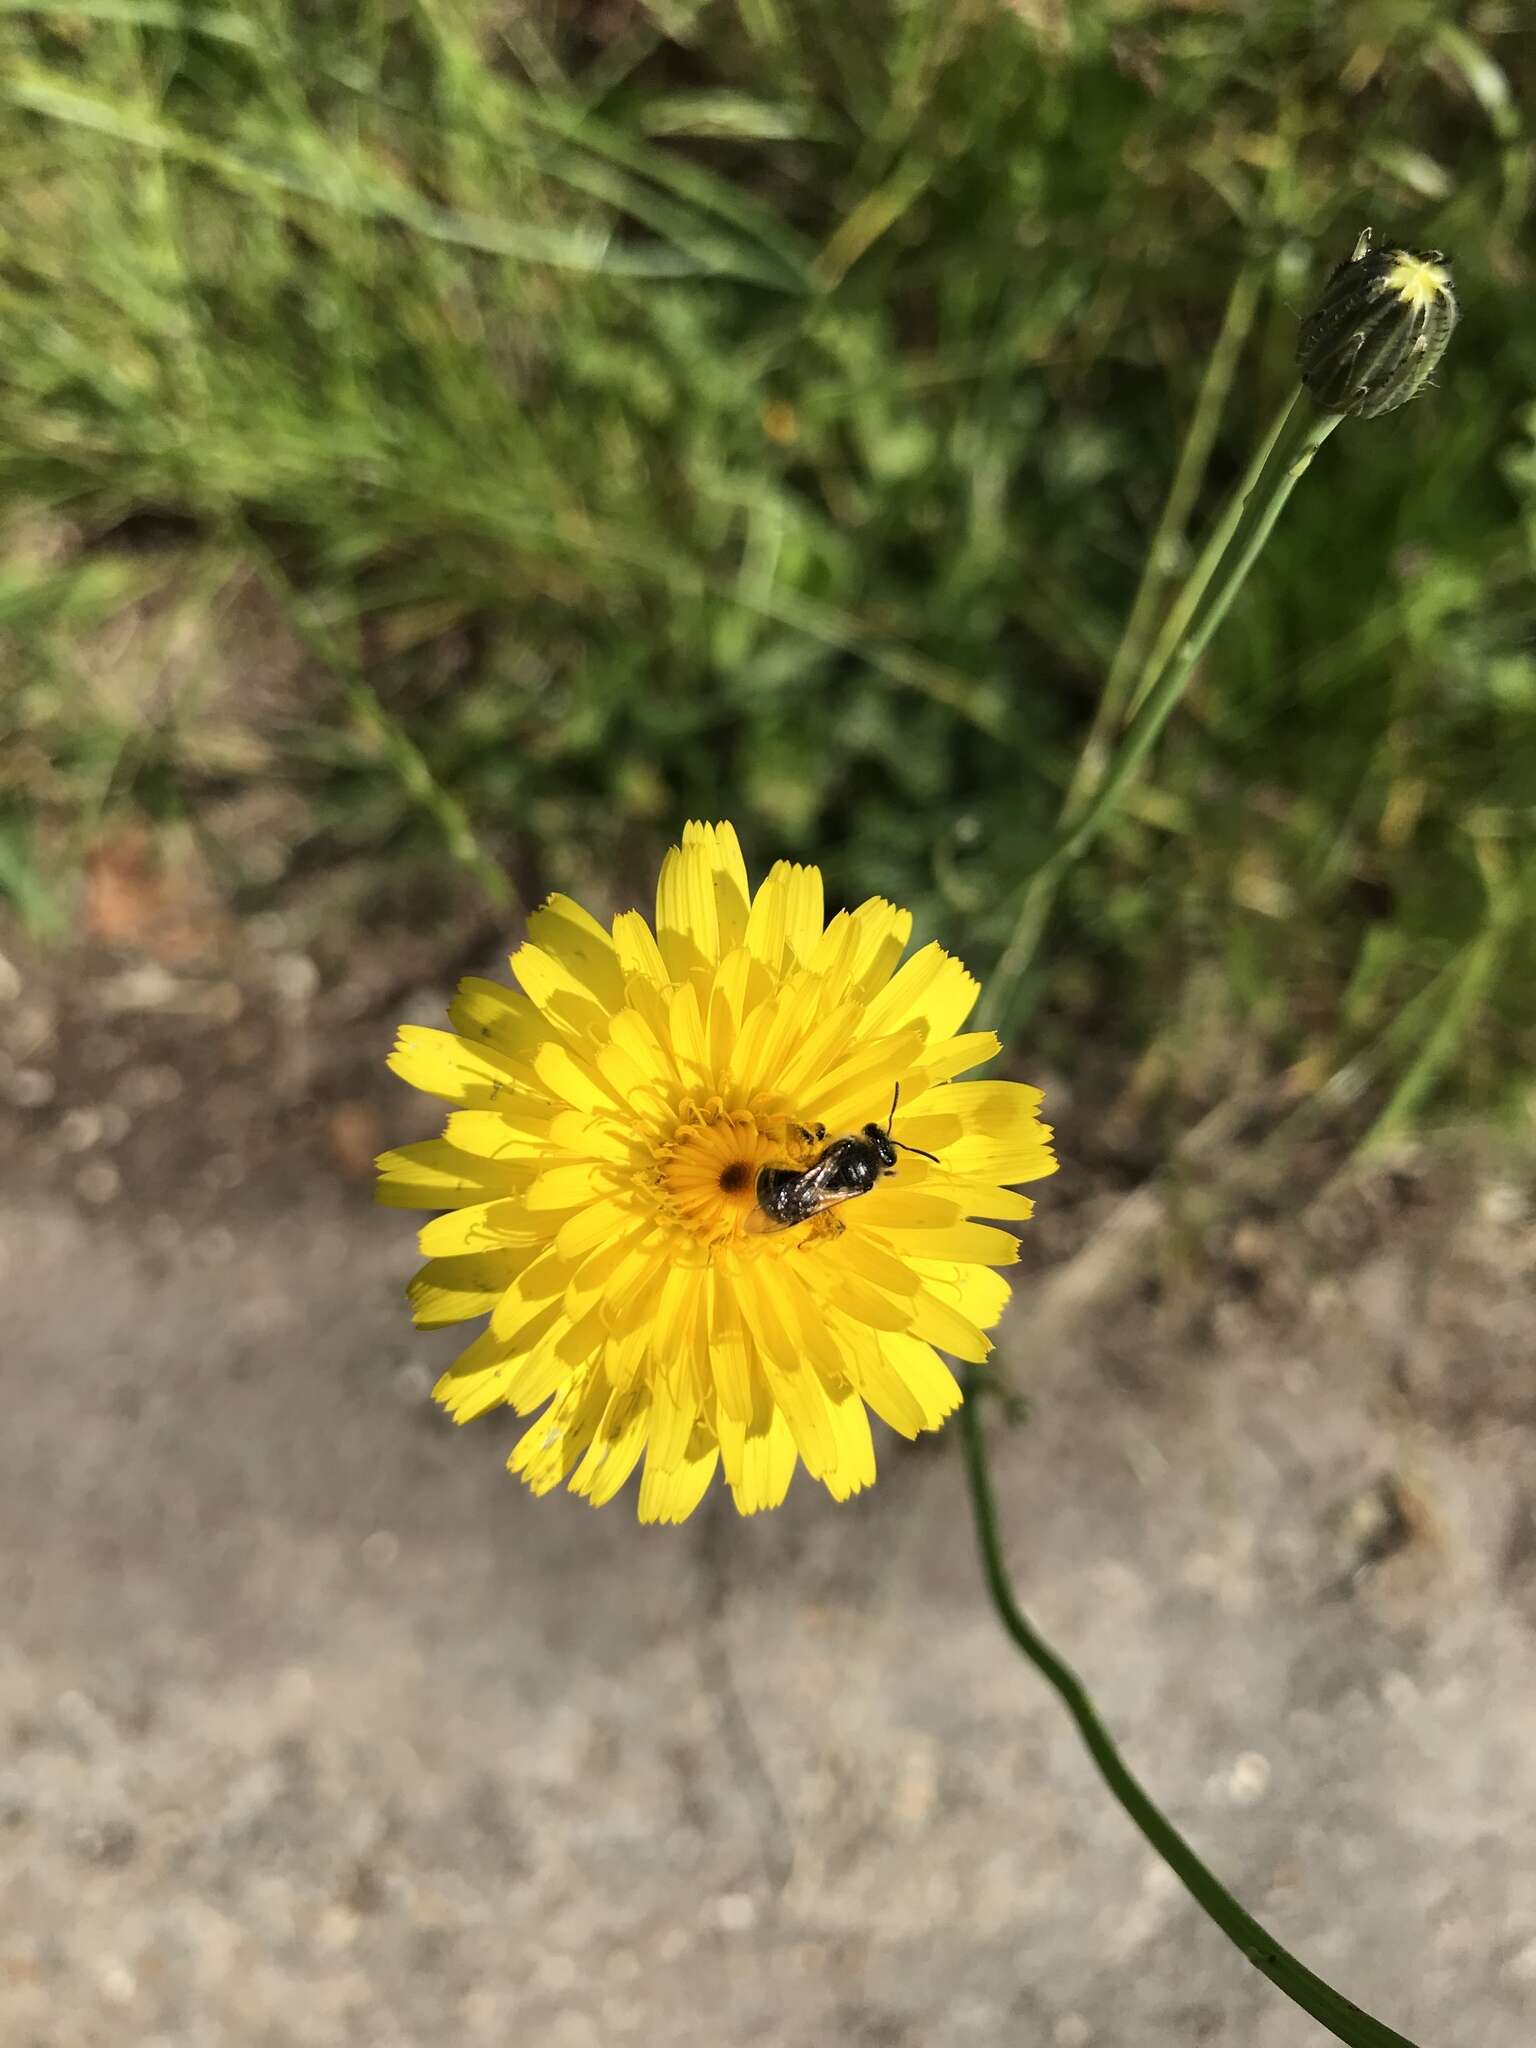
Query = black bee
x=787 y=1195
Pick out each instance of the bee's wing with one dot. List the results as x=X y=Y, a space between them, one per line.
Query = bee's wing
x=760 y=1224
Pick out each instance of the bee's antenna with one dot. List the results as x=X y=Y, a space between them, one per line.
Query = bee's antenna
x=917 y=1149
x=896 y=1141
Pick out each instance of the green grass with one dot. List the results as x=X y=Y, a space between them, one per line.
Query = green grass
x=542 y=433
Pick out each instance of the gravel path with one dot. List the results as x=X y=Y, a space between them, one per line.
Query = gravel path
x=319 y=1731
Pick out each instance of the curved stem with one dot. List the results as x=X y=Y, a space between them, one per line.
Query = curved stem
x=1344 y=2020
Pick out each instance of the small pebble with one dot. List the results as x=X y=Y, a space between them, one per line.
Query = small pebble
x=162 y=1233
x=79 y=1130
x=149 y=1087
x=412 y=1383
x=118 y=1983
x=1248 y=1780
x=31 y=1088
x=295 y=977
x=98 y=1182
x=115 y=1123
x=1503 y=1204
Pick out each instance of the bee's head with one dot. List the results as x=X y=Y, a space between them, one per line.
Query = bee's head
x=885 y=1150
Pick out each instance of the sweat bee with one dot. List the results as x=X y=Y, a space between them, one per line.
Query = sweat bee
x=787 y=1195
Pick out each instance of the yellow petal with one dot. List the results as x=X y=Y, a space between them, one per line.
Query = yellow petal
x=936 y=1322
x=690 y=1048
x=488 y=1013
x=616 y=1445
x=469 y=1395
x=883 y=932
x=740 y=984
x=635 y=947
x=565 y=1005
x=771 y=1033
x=598 y=1271
x=803 y=1072
x=568 y=1187
x=625 y=1356
x=596 y=1223
x=784 y=928
x=646 y=1047
x=859 y=1256
x=730 y=1349
x=925 y=1377
x=895 y=1204
x=519 y=1128
x=632 y=1293
x=484 y=1228
x=968 y=1244
x=452 y=1290
x=862 y=1300
x=977 y=1292
x=675 y=1410
x=932 y=990
x=792 y=1382
x=942 y=1061
x=976 y=1198
x=673 y=1496
x=437 y=1175
x=875 y=1378
x=855 y=1467
x=492 y=1370
x=438 y=1063
x=983 y=1130
x=584 y=950
x=551 y=1449
x=760 y=1461
x=687 y=925
x=728 y=871
x=573 y=1081
x=542 y=1281
x=541 y=1371
x=859 y=1088
x=809 y=1328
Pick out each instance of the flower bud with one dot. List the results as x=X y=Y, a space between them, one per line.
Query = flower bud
x=1378 y=331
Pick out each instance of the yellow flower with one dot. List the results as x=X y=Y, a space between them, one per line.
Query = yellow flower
x=600 y=1174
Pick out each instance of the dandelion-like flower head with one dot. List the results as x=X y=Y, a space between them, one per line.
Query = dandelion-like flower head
x=600 y=1174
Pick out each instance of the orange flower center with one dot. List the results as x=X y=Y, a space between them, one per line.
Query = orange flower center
x=705 y=1174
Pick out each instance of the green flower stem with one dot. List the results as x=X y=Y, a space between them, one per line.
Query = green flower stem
x=1124 y=673
x=1343 y=2019
x=1217 y=577
x=1182 y=611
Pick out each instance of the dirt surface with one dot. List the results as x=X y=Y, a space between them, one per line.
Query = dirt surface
x=318 y=1730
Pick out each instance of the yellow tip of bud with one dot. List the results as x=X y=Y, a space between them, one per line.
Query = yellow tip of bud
x=1379 y=330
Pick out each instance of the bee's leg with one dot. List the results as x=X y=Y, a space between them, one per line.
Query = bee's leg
x=826 y=1224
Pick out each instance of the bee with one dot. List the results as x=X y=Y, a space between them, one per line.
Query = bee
x=787 y=1195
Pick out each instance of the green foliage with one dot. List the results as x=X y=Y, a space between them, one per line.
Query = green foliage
x=625 y=416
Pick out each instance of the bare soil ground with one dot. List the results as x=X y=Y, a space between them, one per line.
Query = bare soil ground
x=317 y=1730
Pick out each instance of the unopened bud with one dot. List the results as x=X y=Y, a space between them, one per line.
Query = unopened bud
x=1378 y=331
